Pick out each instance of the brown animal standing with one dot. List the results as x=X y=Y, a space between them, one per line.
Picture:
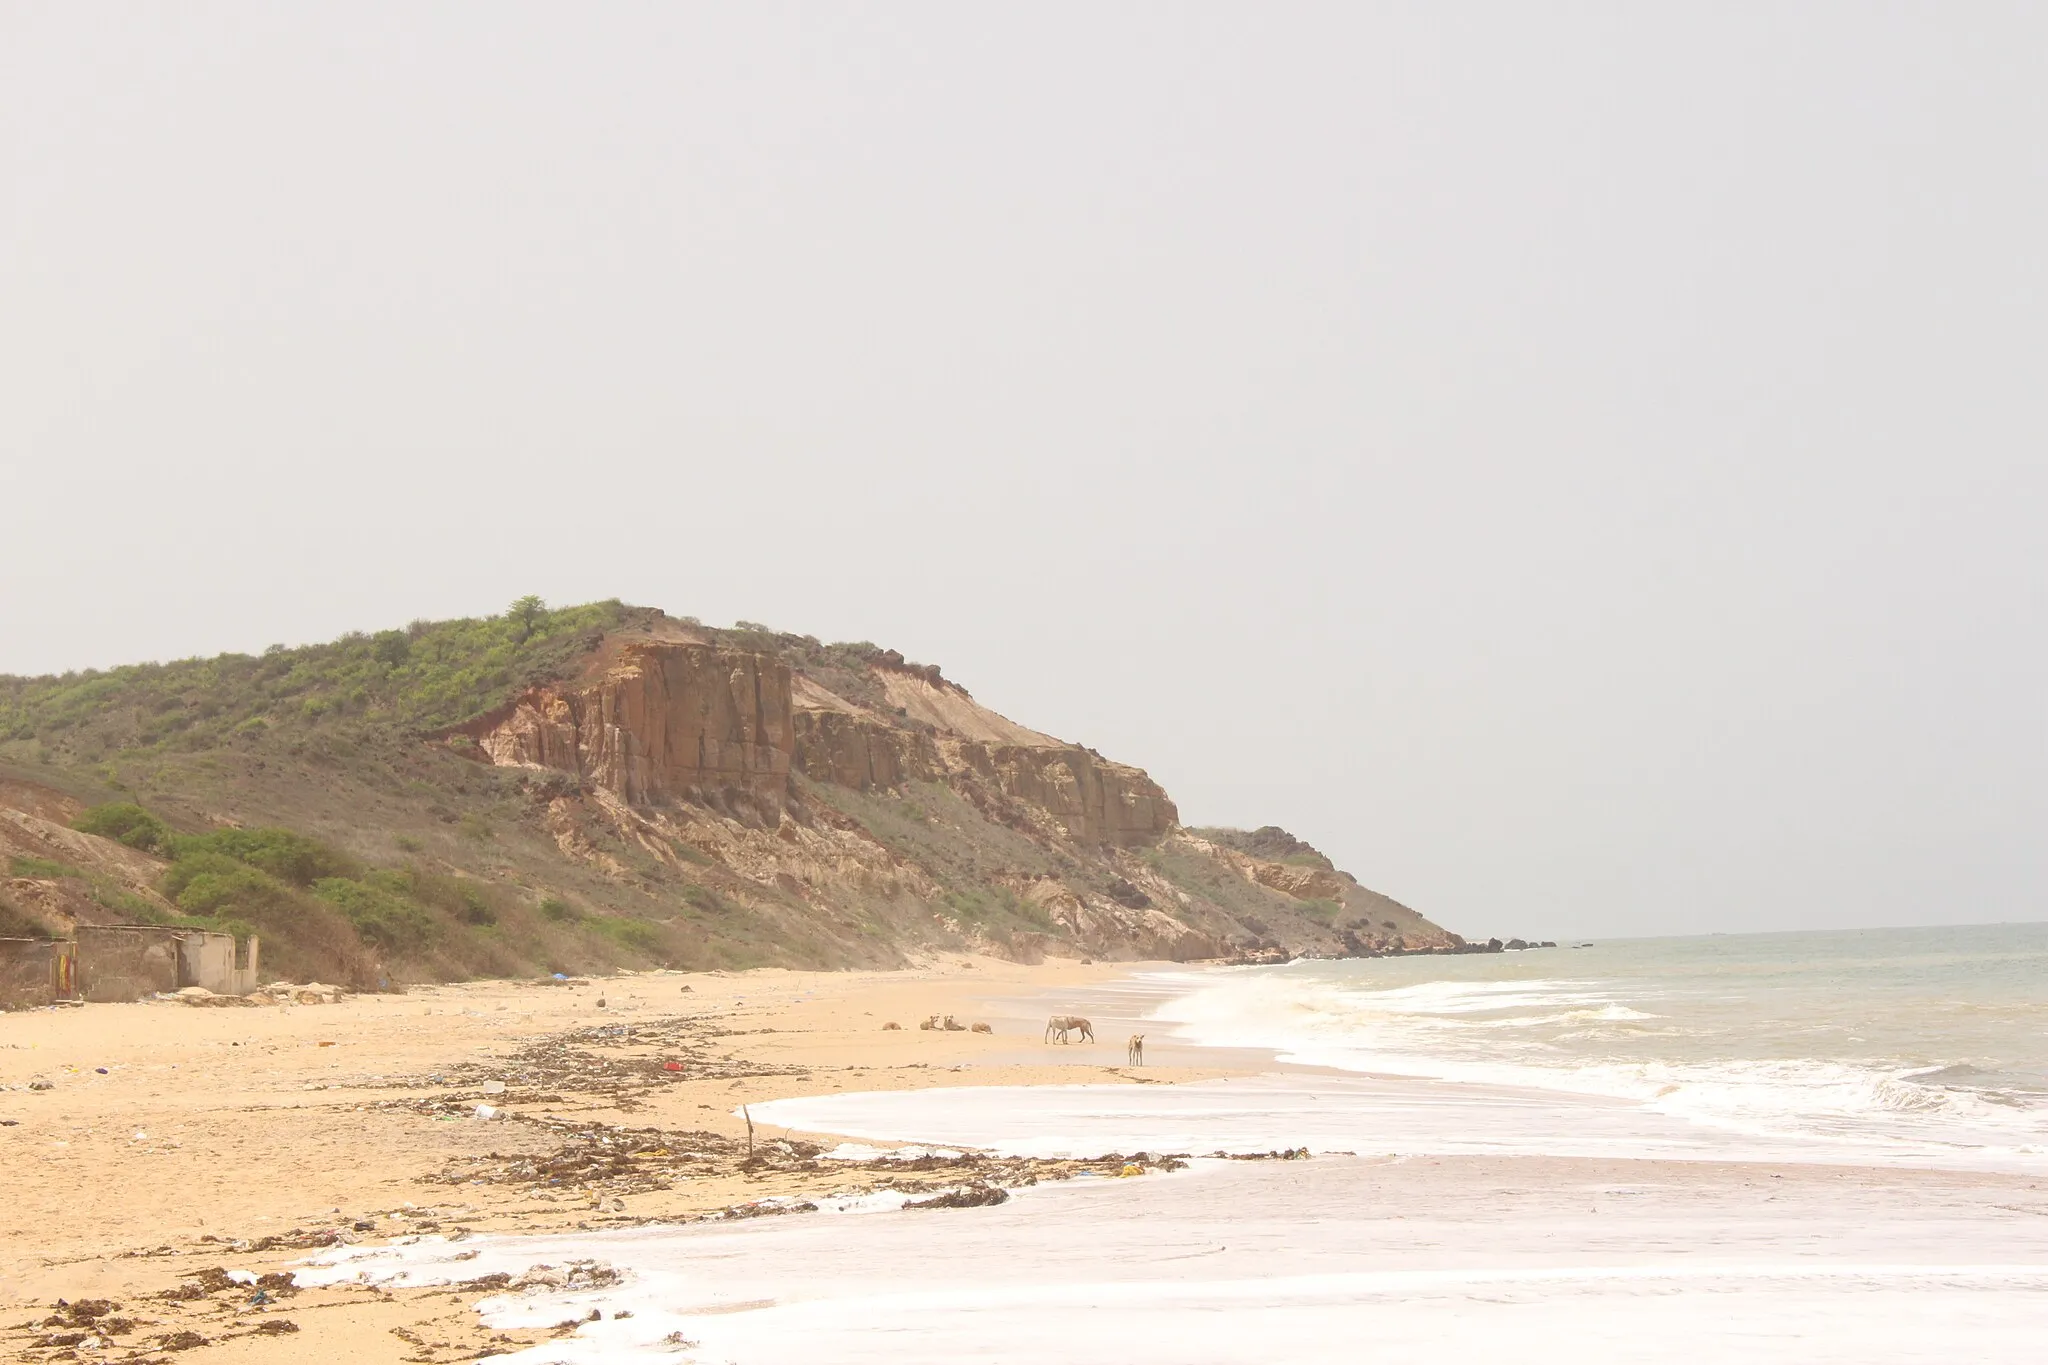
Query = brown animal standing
x=1136 y=1048
x=1060 y=1025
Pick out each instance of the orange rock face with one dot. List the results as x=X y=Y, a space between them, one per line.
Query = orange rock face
x=664 y=722
x=1095 y=800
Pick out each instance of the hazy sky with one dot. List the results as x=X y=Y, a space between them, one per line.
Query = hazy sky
x=1580 y=465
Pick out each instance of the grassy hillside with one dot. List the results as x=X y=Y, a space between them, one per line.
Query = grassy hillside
x=302 y=794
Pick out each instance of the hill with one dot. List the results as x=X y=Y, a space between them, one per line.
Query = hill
x=606 y=785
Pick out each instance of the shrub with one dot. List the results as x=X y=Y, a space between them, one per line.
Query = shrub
x=126 y=823
x=705 y=899
x=635 y=934
x=235 y=889
x=559 y=910
x=380 y=915
x=287 y=856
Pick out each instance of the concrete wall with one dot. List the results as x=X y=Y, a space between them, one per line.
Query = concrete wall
x=217 y=962
x=129 y=961
x=36 y=971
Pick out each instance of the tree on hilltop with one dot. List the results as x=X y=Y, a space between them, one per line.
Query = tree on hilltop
x=526 y=613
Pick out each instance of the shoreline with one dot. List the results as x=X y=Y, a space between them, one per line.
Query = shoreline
x=250 y=1138
x=242 y=1136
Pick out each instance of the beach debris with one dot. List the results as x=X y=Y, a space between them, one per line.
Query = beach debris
x=1289 y=1154
x=200 y=996
x=312 y=993
x=1130 y=1169
x=671 y=1066
x=980 y=1194
x=493 y=1087
x=40 y=1084
x=488 y=1111
x=982 y=1028
x=556 y=1279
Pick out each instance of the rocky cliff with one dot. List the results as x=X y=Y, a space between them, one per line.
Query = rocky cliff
x=608 y=784
x=658 y=721
x=859 y=781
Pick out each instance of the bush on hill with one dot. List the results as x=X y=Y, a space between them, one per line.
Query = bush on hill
x=127 y=823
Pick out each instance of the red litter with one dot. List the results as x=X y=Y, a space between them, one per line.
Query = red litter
x=671 y=1066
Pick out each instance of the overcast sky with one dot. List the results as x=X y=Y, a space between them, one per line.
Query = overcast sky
x=1580 y=465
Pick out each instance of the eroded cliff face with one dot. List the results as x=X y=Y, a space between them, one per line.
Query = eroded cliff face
x=1016 y=774
x=660 y=722
x=862 y=797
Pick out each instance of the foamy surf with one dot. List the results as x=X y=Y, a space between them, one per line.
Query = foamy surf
x=1918 y=1044
x=1497 y=1204
x=1297 y=1262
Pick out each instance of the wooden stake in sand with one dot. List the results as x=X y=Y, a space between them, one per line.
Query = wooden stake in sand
x=750 y=1131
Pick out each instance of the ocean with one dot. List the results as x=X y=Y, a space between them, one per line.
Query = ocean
x=1783 y=1148
x=1900 y=1042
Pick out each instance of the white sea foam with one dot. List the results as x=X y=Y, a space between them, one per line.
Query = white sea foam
x=1739 y=1053
x=1692 y=1056
x=1294 y=1262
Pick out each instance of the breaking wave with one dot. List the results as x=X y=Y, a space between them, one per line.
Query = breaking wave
x=1744 y=1046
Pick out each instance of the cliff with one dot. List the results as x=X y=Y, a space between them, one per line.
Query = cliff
x=646 y=788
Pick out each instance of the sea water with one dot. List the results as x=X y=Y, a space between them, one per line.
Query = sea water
x=1886 y=1049
x=1891 y=1040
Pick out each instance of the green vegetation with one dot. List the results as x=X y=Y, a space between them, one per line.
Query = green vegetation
x=129 y=824
x=428 y=676
x=295 y=890
x=46 y=868
x=635 y=935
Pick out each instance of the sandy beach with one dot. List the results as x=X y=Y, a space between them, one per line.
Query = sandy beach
x=179 y=1154
x=174 y=1139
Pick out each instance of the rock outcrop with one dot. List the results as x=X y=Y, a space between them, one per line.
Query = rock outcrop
x=659 y=722
x=649 y=790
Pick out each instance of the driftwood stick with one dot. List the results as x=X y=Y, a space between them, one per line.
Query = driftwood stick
x=750 y=1131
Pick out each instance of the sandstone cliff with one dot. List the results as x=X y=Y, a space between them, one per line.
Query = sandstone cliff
x=838 y=788
x=659 y=721
x=607 y=785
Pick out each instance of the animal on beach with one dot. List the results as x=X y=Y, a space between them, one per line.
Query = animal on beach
x=951 y=1027
x=983 y=1028
x=892 y=1024
x=929 y=1024
x=1060 y=1025
x=1136 y=1049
